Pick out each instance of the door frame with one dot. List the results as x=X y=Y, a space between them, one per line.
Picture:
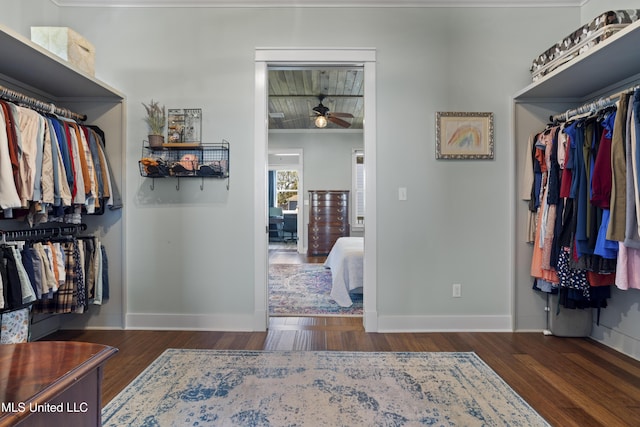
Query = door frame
x=298 y=167
x=264 y=57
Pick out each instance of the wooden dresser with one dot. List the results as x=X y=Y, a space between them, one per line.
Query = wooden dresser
x=51 y=383
x=328 y=219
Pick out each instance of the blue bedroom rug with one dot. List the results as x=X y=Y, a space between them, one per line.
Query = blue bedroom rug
x=323 y=388
x=304 y=290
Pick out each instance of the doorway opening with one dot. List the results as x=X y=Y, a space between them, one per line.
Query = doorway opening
x=285 y=191
x=266 y=58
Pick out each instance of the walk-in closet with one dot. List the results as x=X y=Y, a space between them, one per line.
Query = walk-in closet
x=38 y=82
x=588 y=89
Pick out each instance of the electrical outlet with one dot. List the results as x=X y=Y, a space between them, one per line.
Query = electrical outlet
x=457 y=290
x=402 y=193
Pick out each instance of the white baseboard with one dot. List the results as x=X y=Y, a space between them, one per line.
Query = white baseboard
x=444 y=324
x=611 y=338
x=260 y=321
x=86 y=321
x=370 y=321
x=43 y=325
x=190 y=322
x=247 y=323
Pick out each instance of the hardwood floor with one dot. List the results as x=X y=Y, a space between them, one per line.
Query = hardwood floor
x=569 y=381
x=285 y=253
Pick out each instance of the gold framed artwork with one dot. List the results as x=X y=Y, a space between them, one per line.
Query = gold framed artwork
x=464 y=135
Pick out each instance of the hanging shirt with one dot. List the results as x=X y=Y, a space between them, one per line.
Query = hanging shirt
x=32 y=135
x=9 y=197
x=618 y=201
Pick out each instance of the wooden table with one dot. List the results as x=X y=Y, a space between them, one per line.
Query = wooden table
x=51 y=383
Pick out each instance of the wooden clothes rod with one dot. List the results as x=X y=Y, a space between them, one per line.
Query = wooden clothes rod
x=592 y=106
x=36 y=104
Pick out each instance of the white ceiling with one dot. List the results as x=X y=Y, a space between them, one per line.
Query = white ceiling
x=323 y=3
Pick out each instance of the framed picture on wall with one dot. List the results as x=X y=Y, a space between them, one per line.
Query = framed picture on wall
x=464 y=135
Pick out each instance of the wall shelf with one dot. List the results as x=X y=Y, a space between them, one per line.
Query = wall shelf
x=185 y=160
x=61 y=80
x=613 y=62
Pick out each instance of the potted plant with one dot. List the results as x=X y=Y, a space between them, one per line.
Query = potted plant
x=156 y=120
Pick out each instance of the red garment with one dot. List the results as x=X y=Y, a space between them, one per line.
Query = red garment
x=599 y=279
x=567 y=174
x=601 y=175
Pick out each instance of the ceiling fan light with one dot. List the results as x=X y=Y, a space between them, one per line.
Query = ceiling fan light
x=321 y=121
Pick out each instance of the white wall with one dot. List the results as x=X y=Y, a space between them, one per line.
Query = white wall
x=327 y=161
x=191 y=262
x=593 y=8
x=327 y=156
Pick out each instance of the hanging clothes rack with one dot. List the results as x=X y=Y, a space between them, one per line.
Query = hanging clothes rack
x=36 y=104
x=41 y=233
x=591 y=106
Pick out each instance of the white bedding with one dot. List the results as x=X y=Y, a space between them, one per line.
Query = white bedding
x=345 y=261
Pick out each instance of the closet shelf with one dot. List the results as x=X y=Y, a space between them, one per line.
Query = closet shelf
x=60 y=81
x=613 y=62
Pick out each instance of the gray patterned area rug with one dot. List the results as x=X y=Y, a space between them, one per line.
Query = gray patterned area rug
x=304 y=290
x=302 y=388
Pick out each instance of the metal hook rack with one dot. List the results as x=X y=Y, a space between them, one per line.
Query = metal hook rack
x=206 y=161
x=42 y=232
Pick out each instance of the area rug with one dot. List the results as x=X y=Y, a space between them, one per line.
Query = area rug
x=303 y=290
x=299 y=388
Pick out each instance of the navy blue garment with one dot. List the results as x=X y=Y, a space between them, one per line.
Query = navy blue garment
x=63 y=146
x=579 y=185
x=11 y=285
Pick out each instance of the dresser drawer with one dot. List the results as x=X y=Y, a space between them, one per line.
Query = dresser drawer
x=328 y=196
x=331 y=210
x=322 y=245
x=324 y=221
x=319 y=230
x=329 y=203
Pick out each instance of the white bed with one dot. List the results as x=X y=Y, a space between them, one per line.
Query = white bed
x=345 y=261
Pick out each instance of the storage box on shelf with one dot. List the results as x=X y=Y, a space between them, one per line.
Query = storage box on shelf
x=582 y=40
x=68 y=45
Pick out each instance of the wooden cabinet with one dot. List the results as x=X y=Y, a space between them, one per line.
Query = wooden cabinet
x=328 y=219
x=50 y=383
